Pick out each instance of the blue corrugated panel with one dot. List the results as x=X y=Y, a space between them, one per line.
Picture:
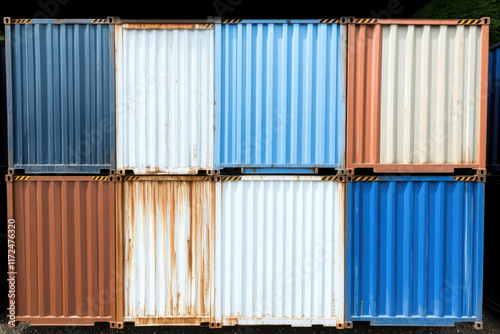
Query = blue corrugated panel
x=280 y=95
x=61 y=102
x=3 y=116
x=493 y=151
x=414 y=251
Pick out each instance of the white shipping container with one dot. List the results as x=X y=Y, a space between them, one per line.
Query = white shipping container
x=165 y=98
x=279 y=251
x=168 y=235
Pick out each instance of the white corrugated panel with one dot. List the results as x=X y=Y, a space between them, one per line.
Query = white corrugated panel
x=165 y=99
x=280 y=251
x=168 y=250
x=430 y=94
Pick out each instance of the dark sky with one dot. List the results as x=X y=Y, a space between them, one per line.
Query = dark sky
x=184 y=9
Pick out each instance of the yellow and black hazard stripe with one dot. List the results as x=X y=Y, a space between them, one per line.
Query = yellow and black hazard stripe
x=23 y=21
x=209 y=25
x=99 y=20
x=130 y=178
x=330 y=178
x=232 y=21
x=364 y=178
x=469 y=22
x=100 y=178
x=466 y=178
x=206 y=178
x=21 y=178
x=231 y=178
x=328 y=21
x=366 y=21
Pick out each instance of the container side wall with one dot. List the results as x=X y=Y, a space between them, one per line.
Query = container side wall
x=281 y=250
x=430 y=94
x=415 y=252
x=365 y=47
x=65 y=248
x=165 y=100
x=62 y=113
x=494 y=109
x=168 y=251
x=283 y=95
x=4 y=158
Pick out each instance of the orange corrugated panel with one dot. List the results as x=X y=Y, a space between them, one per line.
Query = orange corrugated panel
x=65 y=248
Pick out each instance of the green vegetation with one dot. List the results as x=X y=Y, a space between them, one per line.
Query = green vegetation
x=464 y=9
x=2 y=36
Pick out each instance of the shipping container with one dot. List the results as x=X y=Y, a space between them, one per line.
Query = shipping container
x=281 y=95
x=414 y=250
x=279 y=251
x=64 y=249
x=491 y=250
x=61 y=103
x=493 y=158
x=165 y=96
x=417 y=95
x=165 y=250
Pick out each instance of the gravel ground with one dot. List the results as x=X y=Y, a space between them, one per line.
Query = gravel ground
x=491 y=325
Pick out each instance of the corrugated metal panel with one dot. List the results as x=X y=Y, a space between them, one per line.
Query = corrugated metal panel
x=165 y=99
x=425 y=105
x=430 y=94
x=280 y=251
x=65 y=248
x=61 y=97
x=169 y=228
x=494 y=108
x=281 y=95
x=414 y=252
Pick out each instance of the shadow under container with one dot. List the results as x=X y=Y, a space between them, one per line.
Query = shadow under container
x=281 y=95
x=61 y=95
x=414 y=250
x=64 y=249
x=417 y=95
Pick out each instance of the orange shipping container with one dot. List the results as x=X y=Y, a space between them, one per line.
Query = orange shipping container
x=65 y=248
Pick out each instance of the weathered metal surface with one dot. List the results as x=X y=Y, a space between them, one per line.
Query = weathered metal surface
x=65 y=248
x=493 y=158
x=168 y=249
x=61 y=101
x=414 y=251
x=417 y=96
x=281 y=94
x=165 y=99
x=279 y=251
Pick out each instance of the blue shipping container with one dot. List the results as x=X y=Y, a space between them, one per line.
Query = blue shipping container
x=280 y=95
x=414 y=251
x=61 y=102
x=493 y=151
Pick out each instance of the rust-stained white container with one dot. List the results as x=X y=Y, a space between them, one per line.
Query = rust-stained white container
x=165 y=256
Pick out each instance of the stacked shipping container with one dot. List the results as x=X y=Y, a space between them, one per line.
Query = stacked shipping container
x=416 y=104
x=201 y=102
